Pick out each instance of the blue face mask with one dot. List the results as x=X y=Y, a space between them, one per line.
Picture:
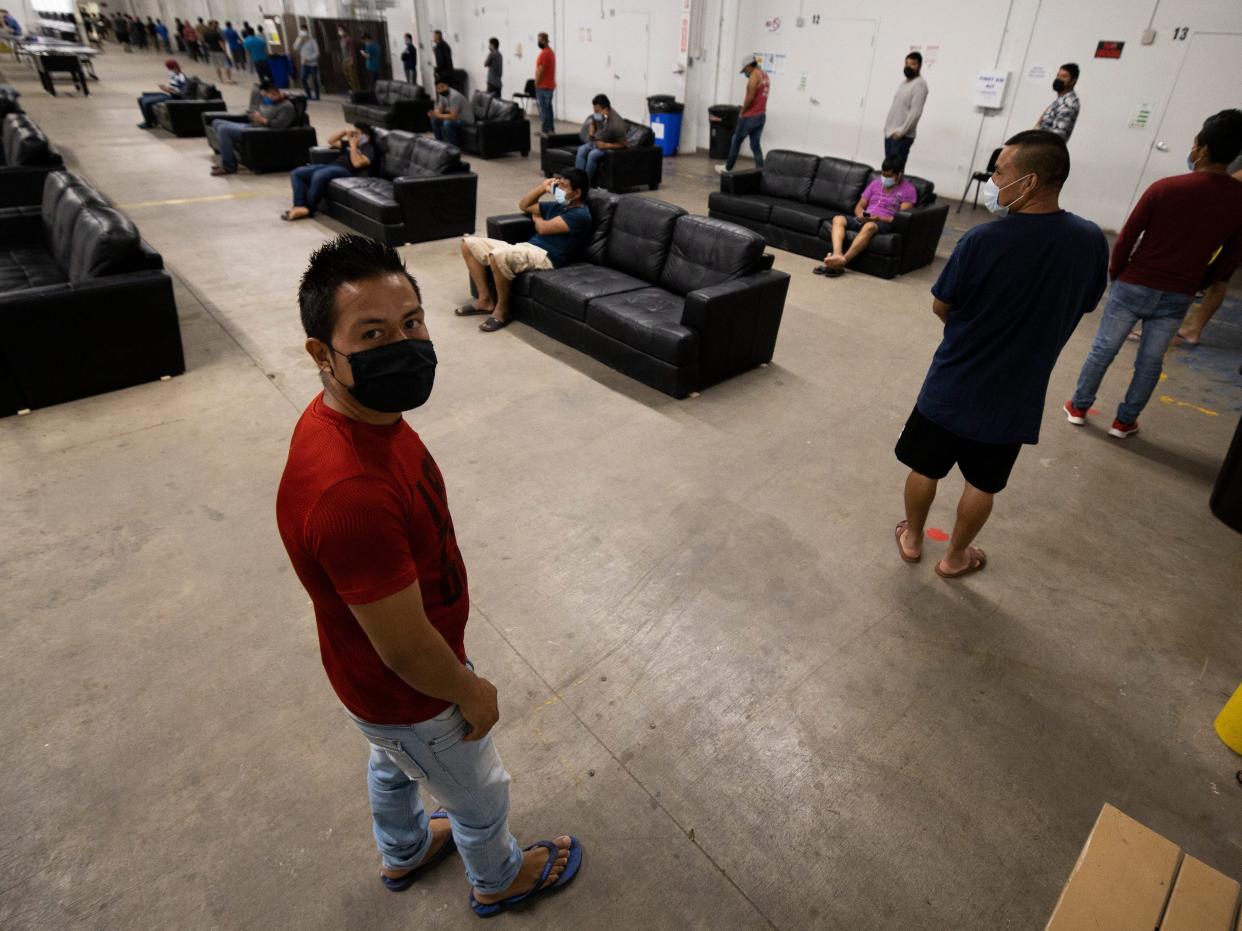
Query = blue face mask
x=888 y=182
x=267 y=100
x=558 y=193
x=598 y=117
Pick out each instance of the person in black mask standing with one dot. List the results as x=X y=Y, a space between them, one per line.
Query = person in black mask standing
x=364 y=516
x=903 y=116
x=1061 y=115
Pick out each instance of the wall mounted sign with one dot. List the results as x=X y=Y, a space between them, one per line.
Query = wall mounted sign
x=990 y=89
x=1108 y=49
x=1141 y=116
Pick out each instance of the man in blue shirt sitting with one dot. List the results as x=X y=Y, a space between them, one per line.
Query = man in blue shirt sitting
x=562 y=231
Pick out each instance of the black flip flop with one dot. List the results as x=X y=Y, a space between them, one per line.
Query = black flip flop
x=491 y=325
x=469 y=310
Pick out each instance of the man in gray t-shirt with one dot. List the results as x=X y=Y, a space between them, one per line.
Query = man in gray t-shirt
x=452 y=112
x=606 y=130
x=495 y=65
x=275 y=112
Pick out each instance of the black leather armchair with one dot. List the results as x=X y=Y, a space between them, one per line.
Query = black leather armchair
x=418 y=189
x=77 y=265
x=499 y=127
x=640 y=163
x=26 y=158
x=184 y=116
x=262 y=149
x=391 y=105
x=675 y=301
x=791 y=201
x=8 y=100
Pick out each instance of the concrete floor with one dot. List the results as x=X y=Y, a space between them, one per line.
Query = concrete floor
x=713 y=668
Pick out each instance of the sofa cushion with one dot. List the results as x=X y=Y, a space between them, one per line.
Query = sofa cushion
x=705 y=252
x=396 y=152
x=756 y=207
x=802 y=218
x=570 y=289
x=24 y=142
x=28 y=268
x=602 y=205
x=561 y=156
x=648 y=320
x=637 y=134
x=55 y=185
x=371 y=197
x=787 y=174
x=71 y=204
x=389 y=92
x=105 y=242
x=374 y=114
x=839 y=183
x=438 y=157
x=492 y=109
x=639 y=239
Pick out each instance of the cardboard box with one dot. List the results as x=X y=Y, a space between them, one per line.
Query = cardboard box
x=1202 y=899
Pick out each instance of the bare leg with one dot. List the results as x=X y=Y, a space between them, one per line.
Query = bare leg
x=1197 y=319
x=973 y=509
x=501 y=311
x=838 y=236
x=920 y=493
x=860 y=243
x=478 y=274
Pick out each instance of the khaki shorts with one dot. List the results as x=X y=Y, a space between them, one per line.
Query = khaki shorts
x=511 y=258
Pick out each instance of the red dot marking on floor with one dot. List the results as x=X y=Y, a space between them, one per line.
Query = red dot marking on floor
x=1093 y=411
x=935 y=533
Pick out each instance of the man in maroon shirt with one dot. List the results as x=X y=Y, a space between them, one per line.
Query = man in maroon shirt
x=1183 y=221
x=363 y=513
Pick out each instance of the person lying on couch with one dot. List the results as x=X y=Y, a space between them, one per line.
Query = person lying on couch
x=605 y=131
x=874 y=212
x=275 y=112
x=562 y=231
x=310 y=182
x=452 y=110
x=170 y=91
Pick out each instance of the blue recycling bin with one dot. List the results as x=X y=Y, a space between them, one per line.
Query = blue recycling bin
x=667 y=129
x=282 y=68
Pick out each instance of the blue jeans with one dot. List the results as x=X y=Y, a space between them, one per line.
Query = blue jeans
x=588 y=159
x=147 y=102
x=898 y=148
x=447 y=130
x=1162 y=313
x=310 y=181
x=543 y=97
x=747 y=126
x=310 y=75
x=227 y=135
x=468 y=779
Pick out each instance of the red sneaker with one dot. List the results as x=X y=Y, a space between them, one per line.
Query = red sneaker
x=1074 y=415
x=1122 y=430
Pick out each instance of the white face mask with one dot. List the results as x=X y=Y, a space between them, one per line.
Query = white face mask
x=991 y=196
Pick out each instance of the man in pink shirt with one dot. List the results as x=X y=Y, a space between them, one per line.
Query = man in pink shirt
x=874 y=212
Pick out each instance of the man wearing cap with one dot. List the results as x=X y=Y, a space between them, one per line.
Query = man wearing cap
x=754 y=114
x=170 y=91
x=275 y=112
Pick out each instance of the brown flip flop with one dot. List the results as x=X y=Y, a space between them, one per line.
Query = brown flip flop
x=978 y=559
x=900 y=529
x=492 y=324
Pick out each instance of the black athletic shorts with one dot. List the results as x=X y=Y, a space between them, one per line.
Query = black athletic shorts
x=931 y=450
x=855 y=224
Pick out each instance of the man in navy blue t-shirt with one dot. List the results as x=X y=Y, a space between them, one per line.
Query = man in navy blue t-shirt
x=562 y=231
x=1009 y=296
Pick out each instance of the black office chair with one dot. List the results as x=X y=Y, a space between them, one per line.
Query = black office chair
x=527 y=95
x=977 y=179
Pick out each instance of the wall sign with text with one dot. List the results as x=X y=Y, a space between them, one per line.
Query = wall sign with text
x=1108 y=49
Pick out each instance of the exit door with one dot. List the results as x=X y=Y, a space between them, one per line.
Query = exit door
x=628 y=61
x=1210 y=80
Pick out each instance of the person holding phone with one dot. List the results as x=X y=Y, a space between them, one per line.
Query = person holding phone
x=310 y=182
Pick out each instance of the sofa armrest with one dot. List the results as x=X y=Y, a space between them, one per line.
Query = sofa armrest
x=20 y=226
x=511 y=227
x=920 y=231
x=22 y=185
x=322 y=155
x=741 y=182
x=737 y=322
x=558 y=140
x=363 y=97
x=437 y=207
x=263 y=144
x=209 y=118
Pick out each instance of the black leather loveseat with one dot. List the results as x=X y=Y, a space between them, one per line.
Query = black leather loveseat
x=675 y=301
x=26 y=157
x=640 y=163
x=261 y=149
x=791 y=201
x=418 y=189
x=183 y=116
x=391 y=105
x=85 y=304
x=499 y=127
x=9 y=102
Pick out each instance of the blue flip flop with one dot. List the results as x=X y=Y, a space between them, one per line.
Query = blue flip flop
x=400 y=885
x=539 y=889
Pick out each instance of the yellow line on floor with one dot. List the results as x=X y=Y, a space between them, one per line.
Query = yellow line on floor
x=172 y=202
x=1202 y=410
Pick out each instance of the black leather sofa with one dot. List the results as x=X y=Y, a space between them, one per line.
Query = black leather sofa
x=85 y=304
x=261 y=149
x=640 y=163
x=499 y=127
x=791 y=201
x=678 y=302
x=26 y=157
x=418 y=189
x=391 y=105
x=9 y=102
x=184 y=116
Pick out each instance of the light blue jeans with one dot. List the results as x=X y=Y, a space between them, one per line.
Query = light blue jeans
x=1161 y=313
x=468 y=779
x=543 y=97
x=588 y=159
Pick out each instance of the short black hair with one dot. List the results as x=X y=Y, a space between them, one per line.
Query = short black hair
x=1071 y=68
x=1043 y=153
x=267 y=84
x=442 y=77
x=366 y=35
x=917 y=56
x=494 y=41
x=577 y=179
x=366 y=129
x=893 y=163
x=601 y=100
x=347 y=258
x=436 y=32
x=1221 y=135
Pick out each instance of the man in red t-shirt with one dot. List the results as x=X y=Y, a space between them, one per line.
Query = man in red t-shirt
x=1183 y=222
x=363 y=513
x=545 y=84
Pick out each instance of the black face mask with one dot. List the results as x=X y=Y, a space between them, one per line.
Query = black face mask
x=543 y=44
x=394 y=377
x=910 y=72
x=1058 y=85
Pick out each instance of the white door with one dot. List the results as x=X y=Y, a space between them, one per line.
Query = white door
x=628 y=63
x=1210 y=80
